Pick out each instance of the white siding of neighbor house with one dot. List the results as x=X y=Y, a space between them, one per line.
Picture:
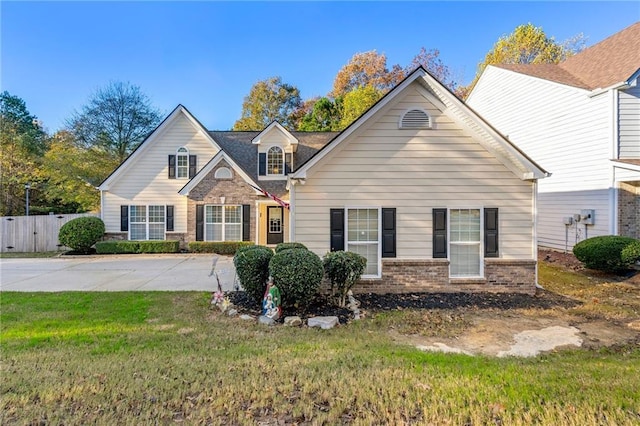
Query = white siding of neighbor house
x=629 y=122
x=146 y=182
x=414 y=171
x=565 y=131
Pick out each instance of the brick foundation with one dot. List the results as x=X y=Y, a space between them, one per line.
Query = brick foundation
x=432 y=275
x=629 y=210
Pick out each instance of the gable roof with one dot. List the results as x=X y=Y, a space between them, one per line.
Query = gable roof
x=507 y=153
x=274 y=125
x=178 y=111
x=612 y=61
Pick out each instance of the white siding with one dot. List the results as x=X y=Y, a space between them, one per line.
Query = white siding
x=413 y=171
x=629 y=122
x=147 y=182
x=565 y=131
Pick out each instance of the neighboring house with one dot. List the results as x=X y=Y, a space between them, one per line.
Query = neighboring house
x=420 y=185
x=581 y=119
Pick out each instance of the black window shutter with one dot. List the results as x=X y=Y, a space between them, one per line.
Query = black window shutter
x=336 y=224
x=287 y=163
x=192 y=165
x=439 y=233
x=169 y=218
x=172 y=167
x=262 y=164
x=199 y=222
x=124 y=218
x=491 y=233
x=246 y=222
x=389 y=232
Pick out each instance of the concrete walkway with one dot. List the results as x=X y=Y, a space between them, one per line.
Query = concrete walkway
x=142 y=272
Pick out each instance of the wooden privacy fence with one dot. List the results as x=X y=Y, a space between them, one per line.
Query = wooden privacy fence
x=33 y=233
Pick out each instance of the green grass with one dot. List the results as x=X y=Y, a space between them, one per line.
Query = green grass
x=148 y=358
x=17 y=255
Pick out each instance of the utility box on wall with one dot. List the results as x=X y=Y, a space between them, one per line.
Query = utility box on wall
x=587 y=217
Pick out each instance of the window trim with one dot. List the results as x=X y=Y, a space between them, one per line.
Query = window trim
x=182 y=152
x=223 y=223
x=147 y=221
x=346 y=236
x=282 y=162
x=480 y=242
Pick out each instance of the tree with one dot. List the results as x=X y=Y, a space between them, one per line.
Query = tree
x=22 y=141
x=357 y=101
x=366 y=69
x=116 y=119
x=269 y=100
x=430 y=60
x=527 y=44
x=324 y=116
x=73 y=172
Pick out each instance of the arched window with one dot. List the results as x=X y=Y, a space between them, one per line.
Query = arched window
x=275 y=161
x=223 y=173
x=182 y=162
x=415 y=119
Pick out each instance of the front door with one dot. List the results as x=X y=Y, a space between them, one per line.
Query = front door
x=274 y=225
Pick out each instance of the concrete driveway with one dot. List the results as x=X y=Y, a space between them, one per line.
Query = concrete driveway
x=142 y=272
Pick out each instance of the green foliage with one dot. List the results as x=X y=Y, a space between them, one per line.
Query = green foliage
x=131 y=247
x=252 y=268
x=219 y=247
x=356 y=102
x=269 y=100
x=631 y=253
x=324 y=116
x=344 y=269
x=292 y=245
x=604 y=253
x=81 y=233
x=117 y=247
x=116 y=119
x=297 y=273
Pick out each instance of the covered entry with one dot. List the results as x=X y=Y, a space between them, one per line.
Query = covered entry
x=273 y=224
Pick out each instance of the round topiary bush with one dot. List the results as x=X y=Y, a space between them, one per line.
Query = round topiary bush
x=286 y=246
x=603 y=253
x=252 y=267
x=631 y=253
x=297 y=273
x=82 y=233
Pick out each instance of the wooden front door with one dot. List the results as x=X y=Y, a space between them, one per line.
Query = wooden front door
x=274 y=225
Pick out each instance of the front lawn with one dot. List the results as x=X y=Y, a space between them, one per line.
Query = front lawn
x=159 y=358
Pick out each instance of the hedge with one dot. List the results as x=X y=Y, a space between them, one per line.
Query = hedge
x=82 y=233
x=252 y=268
x=297 y=273
x=286 y=246
x=604 y=253
x=219 y=247
x=137 y=247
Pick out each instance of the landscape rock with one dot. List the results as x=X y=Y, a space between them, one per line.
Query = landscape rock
x=232 y=312
x=324 y=323
x=246 y=317
x=293 y=321
x=266 y=320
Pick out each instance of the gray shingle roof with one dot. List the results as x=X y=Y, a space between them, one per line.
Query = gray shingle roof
x=239 y=147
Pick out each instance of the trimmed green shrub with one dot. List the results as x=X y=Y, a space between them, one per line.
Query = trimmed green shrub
x=159 y=246
x=631 y=253
x=286 y=246
x=297 y=272
x=603 y=253
x=219 y=247
x=343 y=268
x=82 y=233
x=252 y=268
x=117 y=247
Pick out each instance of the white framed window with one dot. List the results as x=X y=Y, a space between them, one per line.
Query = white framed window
x=363 y=237
x=465 y=247
x=275 y=161
x=147 y=222
x=182 y=163
x=223 y=223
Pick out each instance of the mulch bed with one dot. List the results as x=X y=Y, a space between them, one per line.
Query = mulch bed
x=371 y=303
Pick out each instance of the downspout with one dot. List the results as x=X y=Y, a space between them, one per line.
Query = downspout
x=292 y=210
x=615 y=152
x=535 y=228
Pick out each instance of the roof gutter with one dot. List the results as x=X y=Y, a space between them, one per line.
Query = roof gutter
x=600 y=91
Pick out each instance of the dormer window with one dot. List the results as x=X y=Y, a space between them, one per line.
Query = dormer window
x=415 y=119
x=275 y=161
x=182 y=157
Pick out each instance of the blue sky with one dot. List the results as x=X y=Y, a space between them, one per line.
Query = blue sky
x=207 y=55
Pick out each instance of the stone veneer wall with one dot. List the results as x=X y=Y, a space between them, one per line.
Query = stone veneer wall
x=209 y=190
x=629 y=210
x=432 y=275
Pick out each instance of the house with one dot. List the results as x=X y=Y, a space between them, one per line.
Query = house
x=581 y=119
x=433 y=196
